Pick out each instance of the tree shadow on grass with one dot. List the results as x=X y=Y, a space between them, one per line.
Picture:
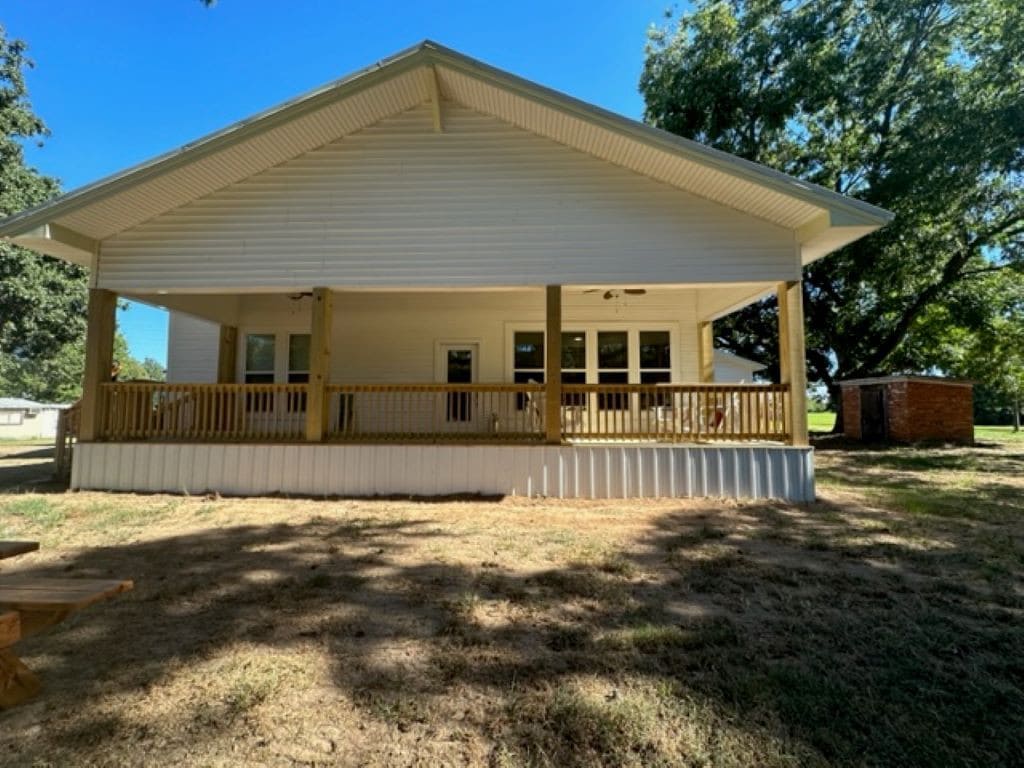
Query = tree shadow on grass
x=28 y=469
x=736 y=635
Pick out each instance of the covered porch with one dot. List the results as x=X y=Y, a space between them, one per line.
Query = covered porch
x=558 y=382
x=515 y=406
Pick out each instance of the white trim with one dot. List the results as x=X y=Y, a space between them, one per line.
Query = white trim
x=440 y=363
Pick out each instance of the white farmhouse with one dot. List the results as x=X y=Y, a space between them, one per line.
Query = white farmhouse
x=433 y=277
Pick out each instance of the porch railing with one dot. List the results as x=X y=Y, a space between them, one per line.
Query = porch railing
x=675 y=412
x=67 y=434
x=204 y=412
x=508 y=413
x=435 y=412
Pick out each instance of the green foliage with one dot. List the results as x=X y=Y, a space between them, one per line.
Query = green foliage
x=914 y=106
x=43 y=301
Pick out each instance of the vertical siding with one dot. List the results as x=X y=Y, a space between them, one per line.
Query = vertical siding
x=580 y=471
x=484 y=203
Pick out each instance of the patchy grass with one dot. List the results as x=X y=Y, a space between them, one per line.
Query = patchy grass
x=822 y=421
x=30 y=513
x=881 y=625
x=998 y=434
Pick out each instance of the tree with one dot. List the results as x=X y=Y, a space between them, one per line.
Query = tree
x=913 y=106
x=42 y=300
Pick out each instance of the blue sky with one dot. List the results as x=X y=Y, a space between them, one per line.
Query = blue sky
x=118 y=81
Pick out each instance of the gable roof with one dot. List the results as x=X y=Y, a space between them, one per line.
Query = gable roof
x=71 y=225
x=730 y=358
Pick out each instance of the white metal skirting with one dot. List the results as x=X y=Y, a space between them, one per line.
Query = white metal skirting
x=569 y=472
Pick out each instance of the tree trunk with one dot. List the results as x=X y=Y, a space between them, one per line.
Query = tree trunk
x=1016 y=412
x=835 y=394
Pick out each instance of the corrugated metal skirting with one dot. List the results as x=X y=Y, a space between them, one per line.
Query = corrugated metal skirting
x=569 y=472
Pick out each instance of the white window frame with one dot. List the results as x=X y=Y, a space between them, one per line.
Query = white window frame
x=12 y=418
x=590 y=328
x=281 y=340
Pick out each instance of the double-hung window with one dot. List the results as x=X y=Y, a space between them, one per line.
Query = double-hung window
x=655 y=364
x=298 y=368
x=613 y=368
x=528 y=362
x=260 y=362
x=261 y=367
x=599 y=355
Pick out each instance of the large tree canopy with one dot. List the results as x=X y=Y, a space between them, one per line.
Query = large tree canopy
x=915 y=106
x=42 y=300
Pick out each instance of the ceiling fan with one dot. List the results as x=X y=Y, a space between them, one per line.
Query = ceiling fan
x=614 y=293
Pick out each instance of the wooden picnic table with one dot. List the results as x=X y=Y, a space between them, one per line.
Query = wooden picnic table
x=30 y=604
x=15 y=548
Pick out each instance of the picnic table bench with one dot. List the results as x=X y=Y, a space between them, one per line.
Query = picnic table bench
x=30 y=604
x=15 y=548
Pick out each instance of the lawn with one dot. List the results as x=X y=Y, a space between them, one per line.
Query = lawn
x=880 y=626
x=824 y=421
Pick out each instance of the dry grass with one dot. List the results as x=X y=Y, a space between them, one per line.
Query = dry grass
x=880 y=626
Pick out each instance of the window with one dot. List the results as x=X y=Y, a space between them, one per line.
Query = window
x=11 y=418
x=527 y=360
x=612 y=367
x=298 y=368
x=655 y=364
x=574 y=365
x=598 y=355
x=259 y=369
x=259 y=358
x=298 y=358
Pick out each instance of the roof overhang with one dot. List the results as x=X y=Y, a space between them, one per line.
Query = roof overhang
x=70 y=226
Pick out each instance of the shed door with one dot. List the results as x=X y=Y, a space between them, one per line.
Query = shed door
x=872 y=412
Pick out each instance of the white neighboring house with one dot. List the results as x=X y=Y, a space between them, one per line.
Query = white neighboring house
x=434 y=277
x=732 y=368
x=22 y=419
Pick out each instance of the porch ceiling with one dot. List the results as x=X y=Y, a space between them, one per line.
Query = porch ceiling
x=71 y=226
x=712 y=301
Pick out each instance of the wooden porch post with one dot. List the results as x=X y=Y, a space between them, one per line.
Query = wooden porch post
x=99 y=359
x=227 y=354
x=706 y=351
x=553 y=365
x=319 y=365
x=792 y=357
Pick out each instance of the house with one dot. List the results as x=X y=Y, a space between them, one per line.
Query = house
x=22 y=419
x=434 y=277
x=732 y=368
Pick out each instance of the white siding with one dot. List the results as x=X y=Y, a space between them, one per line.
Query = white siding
x=483 y=203
x=578 y=471
x=34 y=424
x=394 y=337
x=192 y=348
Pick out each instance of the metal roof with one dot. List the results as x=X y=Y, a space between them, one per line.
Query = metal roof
x=70 y=225
x=21 y=404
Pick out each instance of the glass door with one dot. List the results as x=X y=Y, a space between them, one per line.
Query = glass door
x=459 y=368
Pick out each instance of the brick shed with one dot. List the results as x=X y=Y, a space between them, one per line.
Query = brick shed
x=908 y=409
